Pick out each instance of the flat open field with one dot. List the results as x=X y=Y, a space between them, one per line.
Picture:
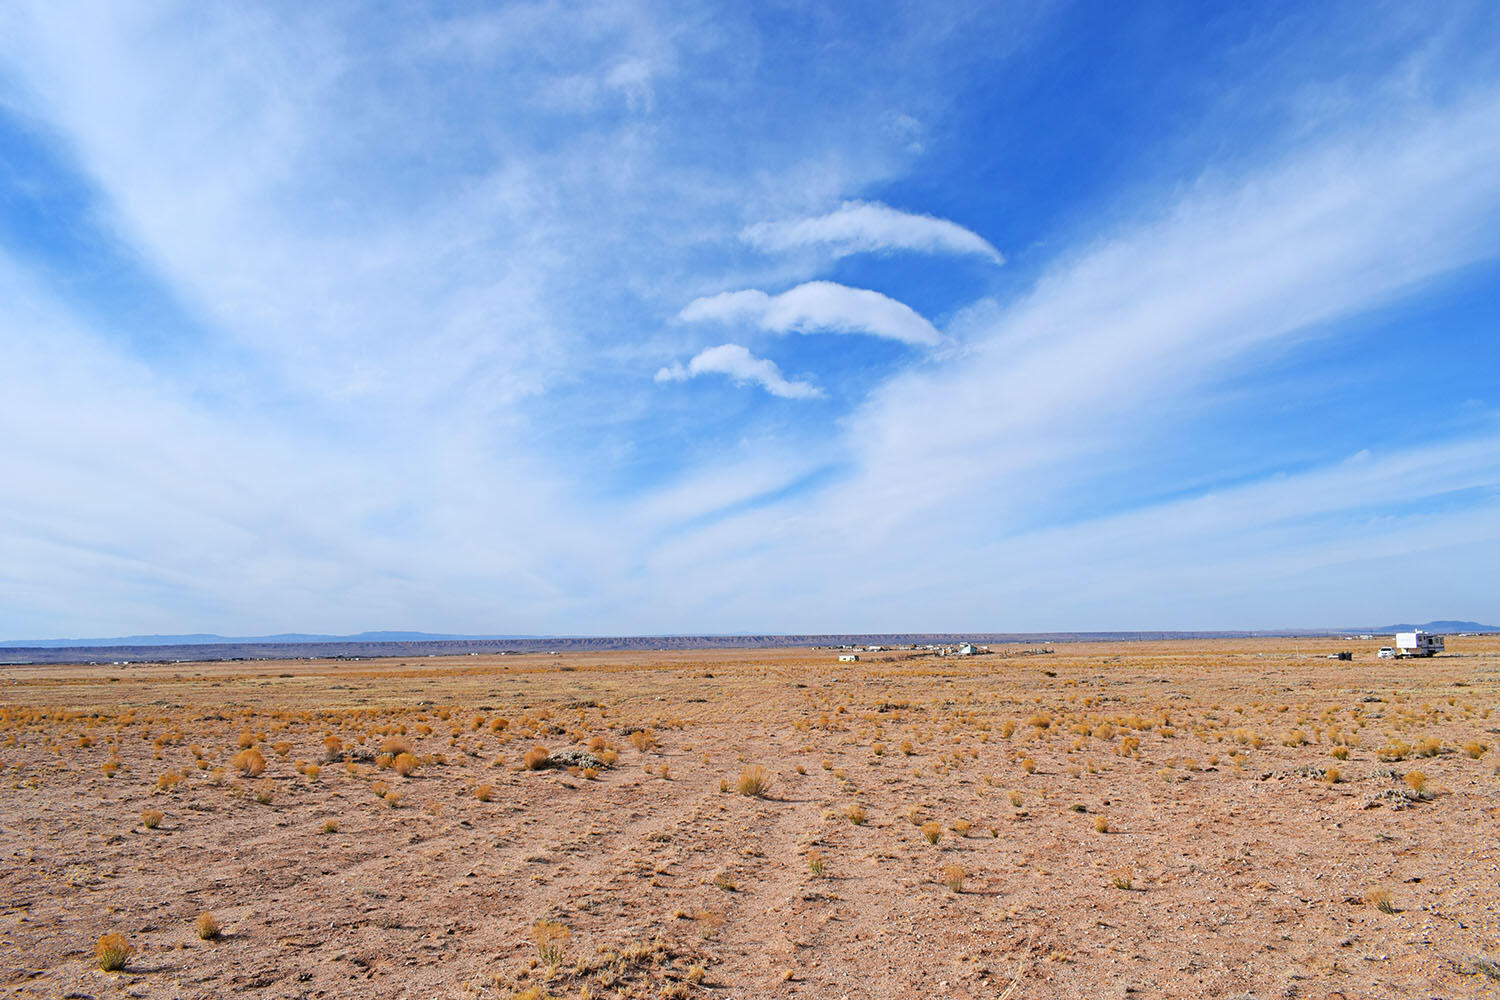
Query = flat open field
x=1231 y=818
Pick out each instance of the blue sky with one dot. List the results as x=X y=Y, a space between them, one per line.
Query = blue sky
x=673 y=317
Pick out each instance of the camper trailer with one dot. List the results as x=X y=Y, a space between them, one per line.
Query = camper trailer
x=1418 y=643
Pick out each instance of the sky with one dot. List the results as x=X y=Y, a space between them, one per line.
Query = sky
x=641 y=318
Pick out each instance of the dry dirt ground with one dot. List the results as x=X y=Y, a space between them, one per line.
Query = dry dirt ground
x=1216 y=819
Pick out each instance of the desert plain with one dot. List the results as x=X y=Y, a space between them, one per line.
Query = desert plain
x=1227 y=818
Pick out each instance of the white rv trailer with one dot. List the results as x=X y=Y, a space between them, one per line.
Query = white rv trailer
x=1418 y=643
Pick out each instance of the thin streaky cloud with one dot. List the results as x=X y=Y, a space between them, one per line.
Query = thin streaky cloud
x=743 y=367
x=817 y=307
x=871 y=227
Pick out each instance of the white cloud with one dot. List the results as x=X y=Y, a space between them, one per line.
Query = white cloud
x=869 y=226
x=818 y=307
x=742 y=366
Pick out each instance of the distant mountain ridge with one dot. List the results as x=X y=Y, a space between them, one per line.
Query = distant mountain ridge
x=1445 y=627
x=210 y=639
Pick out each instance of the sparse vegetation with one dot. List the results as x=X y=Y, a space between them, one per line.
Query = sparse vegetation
x=537 y=758
x=754 y=781
x=551 y=940
x=112 y=951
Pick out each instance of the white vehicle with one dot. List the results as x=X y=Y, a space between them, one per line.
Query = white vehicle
x=1418 y=643
x=1386 y=653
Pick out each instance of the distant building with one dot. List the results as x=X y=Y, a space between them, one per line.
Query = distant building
x=848 y=657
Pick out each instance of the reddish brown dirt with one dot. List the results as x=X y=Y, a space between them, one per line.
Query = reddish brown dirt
x=1227 y=869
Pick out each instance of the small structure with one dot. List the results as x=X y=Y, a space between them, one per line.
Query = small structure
x=848 y=657
x=1418 y=643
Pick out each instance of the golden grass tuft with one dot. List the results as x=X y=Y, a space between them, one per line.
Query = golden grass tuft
x=1416 y=781
x=112 y=951
x=856 y=815
x=815 y=863
x=395 y=746
x=208 y=927
x=537 y=758
x=1380 y=899
x=754 y=781
x=151 y=818
x=405 y=764
x=932 y=831
x=953 y=878
x=551 y=940
x=1101 y=825
x=250 y=762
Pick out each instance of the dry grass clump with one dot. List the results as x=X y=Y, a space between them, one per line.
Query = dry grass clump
x=265 y=792
x=112 y=951
x=932 y=832
x=1341 y=753
x=537 y=758
x=208 y=927
x=395 y=746
x=250 y=762
x=962 y=827
x=815 y=863
x=1123 y=878
x=1394 y=751
x=247 y=740
x=643 y=739
x=551 y=940
x=330 y=826
x=1028 y=765
x=1380 y=899
x=1101 y=825
x=333 y=749
x=404 y=764
x=484 y=793
x=1416 y=781
x=1475 y=749
x=953 y=877
x=151 y=818
x=754 y=781
x=856 y=815
x=109 y=767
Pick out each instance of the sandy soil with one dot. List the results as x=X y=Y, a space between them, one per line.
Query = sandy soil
x=1229 y=863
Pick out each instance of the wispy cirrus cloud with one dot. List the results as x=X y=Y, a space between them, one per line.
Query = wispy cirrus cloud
x=868 y=227
x=817 y=307
x=743 y=367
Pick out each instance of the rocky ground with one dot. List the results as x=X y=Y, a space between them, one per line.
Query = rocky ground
x=1232 y=818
